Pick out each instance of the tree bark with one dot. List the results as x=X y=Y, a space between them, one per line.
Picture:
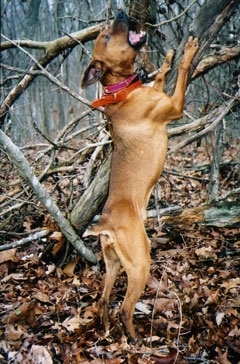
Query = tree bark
x=215 y=167
x=219 y=214
x=95 y=195
x=32 y=17
x=93 y=198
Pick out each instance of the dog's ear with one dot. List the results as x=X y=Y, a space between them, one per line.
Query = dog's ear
x=92 y=74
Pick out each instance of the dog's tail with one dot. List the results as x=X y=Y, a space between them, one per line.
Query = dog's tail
x=98 y=229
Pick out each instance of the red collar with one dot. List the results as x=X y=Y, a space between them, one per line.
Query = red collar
x=120 y=85
x=117 y=92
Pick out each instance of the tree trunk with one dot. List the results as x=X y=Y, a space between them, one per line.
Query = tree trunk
x=93 y=198
x=32 y=18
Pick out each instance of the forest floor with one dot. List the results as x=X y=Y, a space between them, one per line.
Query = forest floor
x=188 y=313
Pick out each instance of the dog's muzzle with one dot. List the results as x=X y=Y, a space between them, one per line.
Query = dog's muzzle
x=121 y=23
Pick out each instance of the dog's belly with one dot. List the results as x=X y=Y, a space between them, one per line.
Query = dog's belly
x=137 y=162
x=141 y=148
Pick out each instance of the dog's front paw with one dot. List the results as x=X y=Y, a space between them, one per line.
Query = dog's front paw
x=191 y=47
x=168 y=58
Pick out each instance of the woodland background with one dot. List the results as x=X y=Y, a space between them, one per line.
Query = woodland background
x=54 y=166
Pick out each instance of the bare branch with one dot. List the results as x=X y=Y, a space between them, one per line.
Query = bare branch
x=24 y=241
x=224 y=54
x=27 y=174
x=213 y=119
x=52 y=78
x=57 y=45
x=54 y=48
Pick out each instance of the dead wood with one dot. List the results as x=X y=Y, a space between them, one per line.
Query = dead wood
x=95 y=195
x=219 y=214
x=206 y=25
x=220 y=55
x=26 y=240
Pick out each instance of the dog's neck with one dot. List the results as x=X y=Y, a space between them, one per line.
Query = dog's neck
x=120 y=85
x=118 y=92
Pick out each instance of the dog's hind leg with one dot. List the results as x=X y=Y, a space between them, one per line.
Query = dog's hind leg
x=137 y=279
x=112 y=264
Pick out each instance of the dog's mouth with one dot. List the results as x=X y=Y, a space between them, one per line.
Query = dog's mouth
x=137 y=40
x=122 y=23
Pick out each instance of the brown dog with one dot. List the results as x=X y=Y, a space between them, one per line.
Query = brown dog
x=137 y=117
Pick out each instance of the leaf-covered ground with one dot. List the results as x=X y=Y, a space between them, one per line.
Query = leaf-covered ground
x=189 y=312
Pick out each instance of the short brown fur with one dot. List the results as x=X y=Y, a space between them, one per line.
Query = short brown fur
x=138 y=128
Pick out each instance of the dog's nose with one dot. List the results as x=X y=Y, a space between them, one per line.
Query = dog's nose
x=121 y=17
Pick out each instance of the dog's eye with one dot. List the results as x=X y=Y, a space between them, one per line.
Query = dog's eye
x=107 y=38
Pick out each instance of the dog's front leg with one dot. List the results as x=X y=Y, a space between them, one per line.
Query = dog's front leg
x=161 y=75
x=178 y=97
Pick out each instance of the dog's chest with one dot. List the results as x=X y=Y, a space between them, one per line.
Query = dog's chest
x=142 y=107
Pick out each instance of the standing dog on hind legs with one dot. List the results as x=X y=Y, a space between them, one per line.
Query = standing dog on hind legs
x=137 y=117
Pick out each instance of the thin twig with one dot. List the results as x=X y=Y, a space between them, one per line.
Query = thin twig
x=86 y=51
x=174 y=18
x=50 y=76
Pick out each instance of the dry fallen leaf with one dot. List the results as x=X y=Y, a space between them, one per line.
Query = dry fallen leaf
x=222 y=358
x=26 y=313
x=70 y=267
x=231 y=283
x=219 y=317
x=72 y=324
x=207 y=288
x=7 y=255
x=206 y=252
x=163 y=304
x=43 y=297
x=39 y=354
x=14 y=332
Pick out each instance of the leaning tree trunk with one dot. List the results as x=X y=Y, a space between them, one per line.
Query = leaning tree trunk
x=206 y=25
x=92 y=199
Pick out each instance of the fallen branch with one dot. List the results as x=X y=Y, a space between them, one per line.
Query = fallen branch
x=94 y=196
x=27 y=174
x=24 y=241
x=219 y=214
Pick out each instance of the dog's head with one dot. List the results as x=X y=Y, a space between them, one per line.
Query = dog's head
x=114 y=52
